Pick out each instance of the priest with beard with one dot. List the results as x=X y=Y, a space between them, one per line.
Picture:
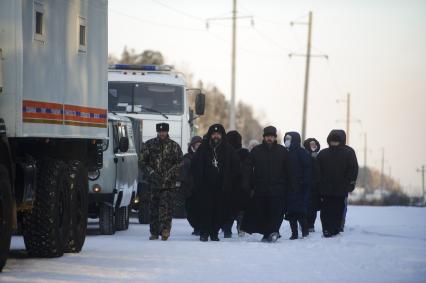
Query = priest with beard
x=267 y=176
x=215 y=168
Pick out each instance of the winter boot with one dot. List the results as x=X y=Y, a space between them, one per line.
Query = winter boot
x=204 y=238
x=214 y=238
x=273 y=237
x=264 y=239
x=227 y=235
x=305 y=229
x=153 y=237
x=165 y=235
x=327 y=234
x=294 y=232
x=196 y=232
x=311 y=229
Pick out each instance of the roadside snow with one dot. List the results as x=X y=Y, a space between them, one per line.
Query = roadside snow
x=380 y=244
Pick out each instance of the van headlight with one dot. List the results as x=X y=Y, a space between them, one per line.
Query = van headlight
x=94 y=175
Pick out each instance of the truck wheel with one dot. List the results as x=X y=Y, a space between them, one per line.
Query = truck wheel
x=45 y=227
x=122 y=218
x=5 y=215
x=143 y=212
x=78 y=175
x=106 y=220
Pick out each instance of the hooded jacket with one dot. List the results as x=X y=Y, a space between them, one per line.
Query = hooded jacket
x=338 y=166
x=301 y=170
x=207 y=177
x=316 y=177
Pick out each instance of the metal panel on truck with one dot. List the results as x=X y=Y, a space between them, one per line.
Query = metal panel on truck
x=67 y=99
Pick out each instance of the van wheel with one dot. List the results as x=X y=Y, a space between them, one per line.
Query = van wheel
x=106 y=220
x=45 y=227
x=5 y=215
x=78 y=175
x=122 y=218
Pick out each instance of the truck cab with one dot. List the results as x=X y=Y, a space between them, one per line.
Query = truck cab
x=113 y=188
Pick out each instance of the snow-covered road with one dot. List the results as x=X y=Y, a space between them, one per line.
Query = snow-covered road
x=380 y=244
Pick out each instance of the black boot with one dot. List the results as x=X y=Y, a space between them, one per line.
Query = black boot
x=204 y=238
x=294 y=232
x=214 y=237
x=304 y=224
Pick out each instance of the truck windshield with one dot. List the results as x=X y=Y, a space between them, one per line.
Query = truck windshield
x=139 y=97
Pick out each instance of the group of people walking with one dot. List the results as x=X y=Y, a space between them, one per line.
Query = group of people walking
x=258 y=187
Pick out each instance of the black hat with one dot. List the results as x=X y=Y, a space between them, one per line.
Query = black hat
x=162 y=127
x=195 y=139
x=216 y=128
x=235 y=139
x=270 y=131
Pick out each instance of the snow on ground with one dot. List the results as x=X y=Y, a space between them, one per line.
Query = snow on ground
x=380 y=244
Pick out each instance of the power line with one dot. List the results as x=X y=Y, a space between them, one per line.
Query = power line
x=275 y=43
x=158 y=24
x=178 y=11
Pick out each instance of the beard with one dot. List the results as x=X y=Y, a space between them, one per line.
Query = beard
x=215 y=142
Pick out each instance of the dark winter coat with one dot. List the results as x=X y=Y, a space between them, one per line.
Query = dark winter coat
x=208 y=178
x=186 y=178
x=267 y=171
x=338 y=167
x=301 y=170
x=240 y=197
x=316 y=177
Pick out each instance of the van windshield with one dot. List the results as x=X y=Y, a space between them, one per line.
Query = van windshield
x=140 y=97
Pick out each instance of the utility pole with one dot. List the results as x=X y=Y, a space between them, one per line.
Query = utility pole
x=348 y=120
x=307 y=68
x=348 y=117
x=365 y=162
x=234 y=18
x=422 y=171
x=365 y=150
x=232 y=124
x=382 y=177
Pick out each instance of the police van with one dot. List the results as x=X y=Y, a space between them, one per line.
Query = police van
x=151 y=94
x=113 y=188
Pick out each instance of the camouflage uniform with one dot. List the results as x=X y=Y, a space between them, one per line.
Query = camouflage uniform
x=161 y=161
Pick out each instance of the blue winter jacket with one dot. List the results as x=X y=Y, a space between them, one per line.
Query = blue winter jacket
x=301 y=170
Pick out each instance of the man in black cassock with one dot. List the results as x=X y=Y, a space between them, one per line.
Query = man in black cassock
x=215 y=167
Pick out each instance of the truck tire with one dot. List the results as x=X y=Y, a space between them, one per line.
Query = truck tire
x=106 y=220
x=5 y=215
x=143 y=212
x=122 y=218
x=78 y=175
x=45 y=227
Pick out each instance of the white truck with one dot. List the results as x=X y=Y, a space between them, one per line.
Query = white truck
x=53 y=118
x=151 y=94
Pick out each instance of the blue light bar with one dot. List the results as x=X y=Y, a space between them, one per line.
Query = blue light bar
x=141 y=67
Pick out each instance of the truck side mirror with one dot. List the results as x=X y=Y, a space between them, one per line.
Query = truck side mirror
x=200 y=104
x=123 y=144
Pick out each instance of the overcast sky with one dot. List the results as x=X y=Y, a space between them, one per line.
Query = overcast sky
x=376 y=52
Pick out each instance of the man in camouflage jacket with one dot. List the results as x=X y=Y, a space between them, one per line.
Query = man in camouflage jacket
x=161 y=160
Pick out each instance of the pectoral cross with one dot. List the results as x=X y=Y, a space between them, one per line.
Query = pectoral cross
x=215 y=163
